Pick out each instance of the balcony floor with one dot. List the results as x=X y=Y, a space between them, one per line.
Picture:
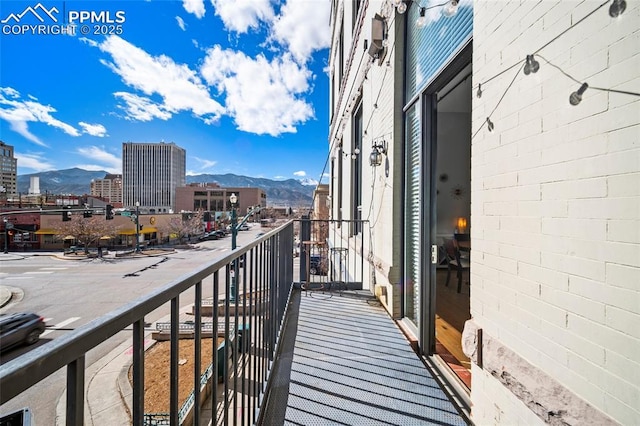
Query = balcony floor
x=344 y=361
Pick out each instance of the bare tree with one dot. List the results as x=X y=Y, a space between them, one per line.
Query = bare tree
x=86 y=231
x=185 y=226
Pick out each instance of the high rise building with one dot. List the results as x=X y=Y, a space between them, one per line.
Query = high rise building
x=151 y=172
x=8 y=171
x=109 y=188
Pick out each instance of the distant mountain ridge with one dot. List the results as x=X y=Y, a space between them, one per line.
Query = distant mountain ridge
x=76 y=181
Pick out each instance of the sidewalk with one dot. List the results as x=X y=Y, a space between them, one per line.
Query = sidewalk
x=108 y=392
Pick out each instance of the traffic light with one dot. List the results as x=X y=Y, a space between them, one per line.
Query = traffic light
x=109 y=213
x=66 y=214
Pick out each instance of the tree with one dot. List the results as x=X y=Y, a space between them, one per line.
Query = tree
x=185 y=226
x=86 y=231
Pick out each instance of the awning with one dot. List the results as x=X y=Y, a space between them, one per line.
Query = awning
x=145 y=230
x=46 y=232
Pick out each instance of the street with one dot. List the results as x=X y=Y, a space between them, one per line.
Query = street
x=70 y=293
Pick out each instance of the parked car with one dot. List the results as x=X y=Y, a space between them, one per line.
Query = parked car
x=20 y=328
x=207 y=236
x=317 y=265
x=244 y=227
x=220 y=233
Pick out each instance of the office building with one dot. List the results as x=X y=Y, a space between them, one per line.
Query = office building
x=151 y=172
x=8 y=171
x=109 y=188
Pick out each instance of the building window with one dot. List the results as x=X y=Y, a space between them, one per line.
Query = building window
x=356 y=171
x=356 y=10
x=340 y=172
x=412 y=215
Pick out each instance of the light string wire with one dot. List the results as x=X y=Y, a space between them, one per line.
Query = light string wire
x=501 y=98
x=536 y=53
x=624 y=92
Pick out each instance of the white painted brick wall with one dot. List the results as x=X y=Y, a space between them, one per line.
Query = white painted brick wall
x=556 y=203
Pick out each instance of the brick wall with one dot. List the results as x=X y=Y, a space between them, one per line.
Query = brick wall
x=556 y=204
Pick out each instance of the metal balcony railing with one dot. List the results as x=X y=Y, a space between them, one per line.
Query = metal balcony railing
x=263 y=275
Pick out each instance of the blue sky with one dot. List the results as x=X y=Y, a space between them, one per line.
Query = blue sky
x=240 y=84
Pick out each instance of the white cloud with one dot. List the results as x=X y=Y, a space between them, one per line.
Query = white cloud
x=97 y=130
x=18 y=113
x=300 y=173
x=178 y=86
x=181 y=23
x=194 y=6
x=140 y=108
x=240 y=15
x=204 y=163
x=34 y=162
x=303 y=26
x=108 y=161
x=263 y=97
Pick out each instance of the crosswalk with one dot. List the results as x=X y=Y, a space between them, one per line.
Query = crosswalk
x=51 y=327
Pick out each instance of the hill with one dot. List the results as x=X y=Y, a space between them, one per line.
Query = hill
x=75 y=181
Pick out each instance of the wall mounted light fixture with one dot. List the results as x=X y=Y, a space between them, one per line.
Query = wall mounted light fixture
x=377 y=149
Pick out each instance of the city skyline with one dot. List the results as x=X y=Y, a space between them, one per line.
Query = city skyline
x=236 y=85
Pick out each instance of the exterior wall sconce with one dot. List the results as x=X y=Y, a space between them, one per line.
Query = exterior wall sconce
x=375 y=159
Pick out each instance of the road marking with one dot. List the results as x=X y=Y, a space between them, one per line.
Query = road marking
x=54 y=269
x=60 y=325
x=39 y=272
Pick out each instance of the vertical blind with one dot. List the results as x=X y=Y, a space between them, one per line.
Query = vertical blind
x=413 y=217
x=431 y=47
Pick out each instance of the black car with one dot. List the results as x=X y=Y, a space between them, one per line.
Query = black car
x=208 y=236
x=22 y=328
x=317 y=265
x=220 y=233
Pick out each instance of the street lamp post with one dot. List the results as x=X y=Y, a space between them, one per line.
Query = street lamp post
x=6 y=235
x=137 y=227
x=234 y=232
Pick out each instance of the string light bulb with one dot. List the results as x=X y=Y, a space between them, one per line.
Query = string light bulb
x=479 y=93
x=617 y=8
x=532 y=66
x=489 y=124
x=576 y=96
x=401 y=8
x=450 y=9
x=421 y=22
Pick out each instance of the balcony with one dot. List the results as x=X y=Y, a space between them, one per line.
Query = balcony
x=298 y=348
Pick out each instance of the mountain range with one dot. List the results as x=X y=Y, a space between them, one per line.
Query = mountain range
x=289 y=192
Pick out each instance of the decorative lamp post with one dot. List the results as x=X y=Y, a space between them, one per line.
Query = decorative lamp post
x=6 y=235
x=137 y=226
x=234 y=232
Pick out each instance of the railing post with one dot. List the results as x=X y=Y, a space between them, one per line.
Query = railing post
x=75 y=392
x=197 y=355
x=138 y=373
x=173 y=368
x=305 y=235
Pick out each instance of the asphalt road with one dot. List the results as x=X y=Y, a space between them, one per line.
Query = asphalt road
x=70 y=293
